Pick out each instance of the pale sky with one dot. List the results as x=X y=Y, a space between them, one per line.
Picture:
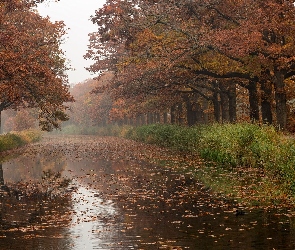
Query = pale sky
x=76 y=15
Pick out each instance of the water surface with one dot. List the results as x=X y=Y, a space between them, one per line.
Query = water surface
x=116 y=201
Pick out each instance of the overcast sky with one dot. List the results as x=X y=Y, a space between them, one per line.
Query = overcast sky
x=76 y=15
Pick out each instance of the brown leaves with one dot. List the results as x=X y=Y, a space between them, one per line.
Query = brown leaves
x=124 y=199
x=32 y=63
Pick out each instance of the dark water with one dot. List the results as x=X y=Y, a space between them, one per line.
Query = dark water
x=129 y=204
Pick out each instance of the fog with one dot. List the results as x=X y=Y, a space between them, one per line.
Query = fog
x=76 y=15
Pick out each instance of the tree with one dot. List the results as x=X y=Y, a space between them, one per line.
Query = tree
x=261 y=34
x=91 y=108
x=32 y=64
x=200 y=49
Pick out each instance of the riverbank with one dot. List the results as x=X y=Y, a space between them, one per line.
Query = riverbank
x=118 y=199
x=247 y=163
x=13 y=140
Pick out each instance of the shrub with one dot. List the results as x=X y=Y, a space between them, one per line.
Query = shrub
x=171 y=136
x=238 y=144
x=17 y=139
x=108 y=130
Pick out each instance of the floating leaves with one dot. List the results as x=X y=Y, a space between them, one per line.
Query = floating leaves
x=120 y=200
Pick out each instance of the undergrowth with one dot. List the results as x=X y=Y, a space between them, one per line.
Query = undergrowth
x=235 y=147
x=108 y=130
x=261 y=155
x=16 y=139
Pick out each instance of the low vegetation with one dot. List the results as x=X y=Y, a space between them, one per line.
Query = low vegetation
x=244 y=161
x=16 y=139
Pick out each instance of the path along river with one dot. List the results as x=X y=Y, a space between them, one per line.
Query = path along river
x=119 y=200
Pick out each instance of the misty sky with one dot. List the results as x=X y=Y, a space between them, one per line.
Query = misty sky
x=76 y=15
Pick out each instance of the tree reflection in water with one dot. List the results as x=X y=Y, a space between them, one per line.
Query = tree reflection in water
x=32 y=208
x=117 y=201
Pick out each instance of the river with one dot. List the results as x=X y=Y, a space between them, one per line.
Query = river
x=102 y=193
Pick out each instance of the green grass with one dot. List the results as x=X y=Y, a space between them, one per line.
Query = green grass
x=16 y=139
x=109 y=130
x=241 y=156
x=232 y=149
x=171 y=136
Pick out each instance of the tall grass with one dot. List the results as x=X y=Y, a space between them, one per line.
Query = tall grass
x=17 y=139
x=171 y=136
x=234 y=145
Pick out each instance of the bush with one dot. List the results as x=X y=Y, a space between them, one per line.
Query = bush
x=238 y=144
x=171 y=136
x=17 y=139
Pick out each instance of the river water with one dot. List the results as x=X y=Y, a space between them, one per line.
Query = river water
x=117 y=201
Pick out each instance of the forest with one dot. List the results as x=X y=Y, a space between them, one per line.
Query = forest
x=183 y=137
x=179 y=62
x=192 y=62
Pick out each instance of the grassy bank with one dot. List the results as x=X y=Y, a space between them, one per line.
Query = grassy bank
x=16 y=139
x=244 y=161
x=247 y=162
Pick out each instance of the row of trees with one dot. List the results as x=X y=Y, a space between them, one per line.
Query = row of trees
x=205 y=58
x=32 y=65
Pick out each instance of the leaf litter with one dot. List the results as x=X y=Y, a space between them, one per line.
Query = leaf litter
x=135 y=202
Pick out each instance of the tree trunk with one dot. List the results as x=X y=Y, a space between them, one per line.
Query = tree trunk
x=165 y=118
x=157 y=118
x=253 y=100
x=205 y=107
x=216 y=107
x=150 y=118
x=281 y=100
x=232 y=102
x=180 y=114
x=224 y=103
x=138 y=120
x=173 y=116
x=199 y=114
x=1 y=127
x=190 y=113
x=266 y=100
x=1 y=175
x=143 y=119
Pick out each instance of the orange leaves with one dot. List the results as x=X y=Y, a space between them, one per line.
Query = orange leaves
x=32 y=64
x=164 y=47
x=92 y=101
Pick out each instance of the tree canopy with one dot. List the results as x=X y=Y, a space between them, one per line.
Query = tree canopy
x=32 y=66
x=199 y=53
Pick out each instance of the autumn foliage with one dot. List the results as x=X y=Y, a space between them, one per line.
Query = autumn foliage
x=32 y=66
x=197 y=61
x=89 y=108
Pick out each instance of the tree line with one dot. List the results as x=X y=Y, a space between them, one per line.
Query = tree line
x=196 y=61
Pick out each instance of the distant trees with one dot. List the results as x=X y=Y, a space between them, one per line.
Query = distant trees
x=198 y=61
x=18 y=120
x=32 y=64
x=90 y=107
